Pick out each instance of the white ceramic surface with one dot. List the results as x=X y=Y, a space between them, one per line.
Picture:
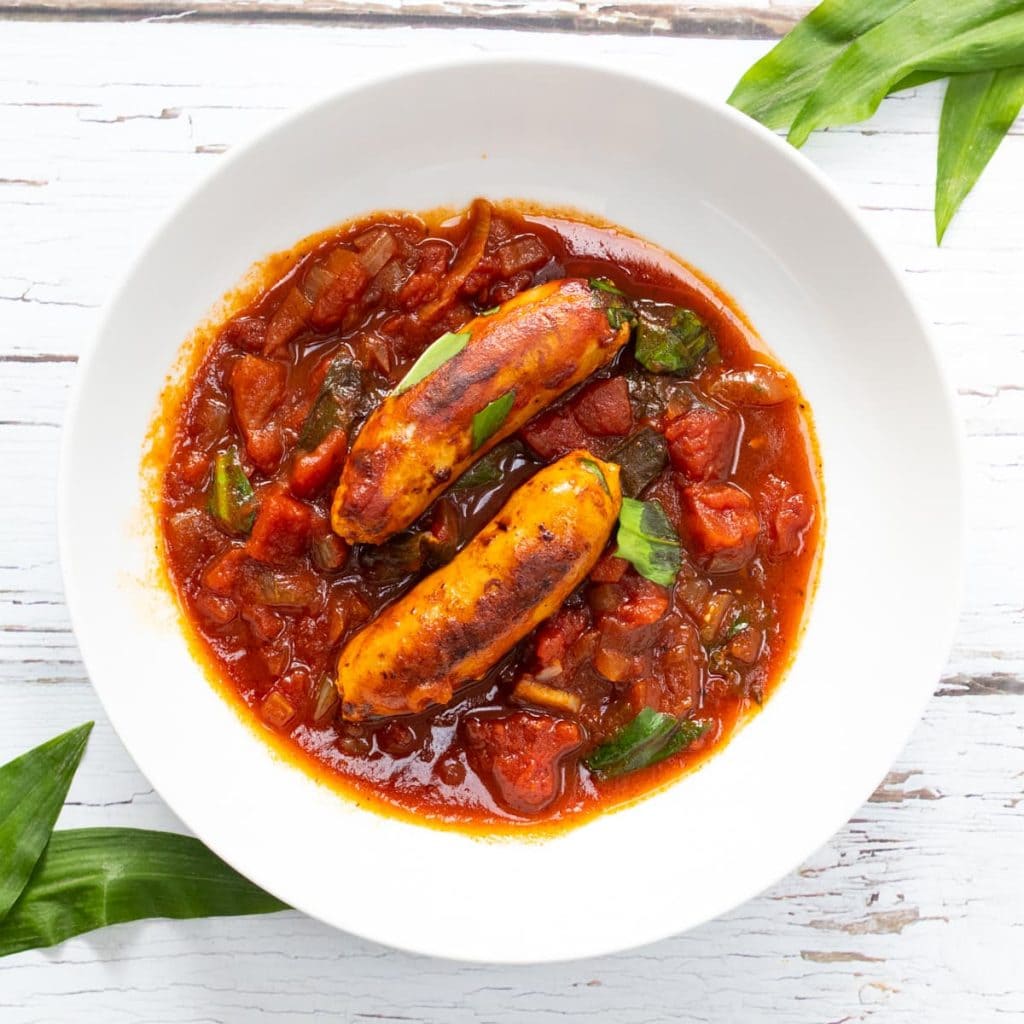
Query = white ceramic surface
x=736 y=202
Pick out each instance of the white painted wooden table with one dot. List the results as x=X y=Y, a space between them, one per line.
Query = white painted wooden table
x=913 y=913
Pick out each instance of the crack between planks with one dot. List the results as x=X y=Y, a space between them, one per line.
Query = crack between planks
x=37 y=357
x=993 y=684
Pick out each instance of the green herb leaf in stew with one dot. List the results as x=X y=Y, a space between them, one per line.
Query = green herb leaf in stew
x=651 y=737
x=641 y=457
x=671 y=340
x=602 y=284
x=436 y=354
x=648 y=540
x=335 y=404
x=231 y=494
x=595 y=470
x=489 y=419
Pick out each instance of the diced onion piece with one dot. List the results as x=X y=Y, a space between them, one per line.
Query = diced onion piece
x=345 y=611
x=552 y=671
x=531 y=692
x=713 y=615
x=288 y=320
x=387 y=282
x=612 y=664
x=693 y=593
x=379 y=249
x=326 y=698
x=285 y=589
x=276 y=709
x=329 y=552
x=758 y=386
x=746 y=645
x=317 y=280
x=470 y=253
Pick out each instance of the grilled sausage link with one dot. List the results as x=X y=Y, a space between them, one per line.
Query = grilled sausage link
x=415 y=444
x=456 y=623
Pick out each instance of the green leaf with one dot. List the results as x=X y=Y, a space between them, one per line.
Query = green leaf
x=648 y=540
x=230 y=501
x=486 y=471
x=32 y=792
x=595 y=470
x=641 y=457
x=977 y=113
x=489 y=312
x=925 y=35
x=619 y=315
x=671 y=340
x=336 y=403
x=436 y=354
x=490 y=418
x=775 y=88
x=651 y=737
x=737 y=627
x=93 y=877
x=602 y=284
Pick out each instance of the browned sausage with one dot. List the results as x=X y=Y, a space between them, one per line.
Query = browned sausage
x=538 y=346
x=455 y=624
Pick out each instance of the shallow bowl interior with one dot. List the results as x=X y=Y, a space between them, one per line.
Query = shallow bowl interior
x=735 y=202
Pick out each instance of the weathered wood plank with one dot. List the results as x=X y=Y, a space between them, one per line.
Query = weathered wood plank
x=641 y=17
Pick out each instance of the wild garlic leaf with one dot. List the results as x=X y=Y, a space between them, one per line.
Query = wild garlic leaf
x=32 y=792
x=671 y=340
x=775 y=88
x=93 y=877
x=487 y=422
x=925 y=35
x=595 y=471
x=978 y=111
x=436 y=354
x=231 y=494
x=651 y=737
x=648 y=540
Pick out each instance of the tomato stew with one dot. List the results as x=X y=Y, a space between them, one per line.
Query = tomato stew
x=646 y=667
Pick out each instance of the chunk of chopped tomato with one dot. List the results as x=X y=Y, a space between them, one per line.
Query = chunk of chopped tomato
x=722 y=524
x=281 y=530
x=248 y=333
x=346 y=283
x=225 y=570
x=678 y=667
x=787 y=514
x=702 y=442
x=519 y=757
x=610 y=569
x=312 y=471
x=425 y=283
x=603 y=408
x=257 y=386
x=526 y=252
x=554 y=434
x=558 y=634
x=646 y=601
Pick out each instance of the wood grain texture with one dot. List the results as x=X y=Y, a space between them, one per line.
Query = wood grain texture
x=912 y=913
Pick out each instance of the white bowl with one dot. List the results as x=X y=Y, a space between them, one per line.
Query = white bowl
x=729 y=197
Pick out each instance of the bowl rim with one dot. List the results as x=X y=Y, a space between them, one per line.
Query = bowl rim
x=830 y=822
